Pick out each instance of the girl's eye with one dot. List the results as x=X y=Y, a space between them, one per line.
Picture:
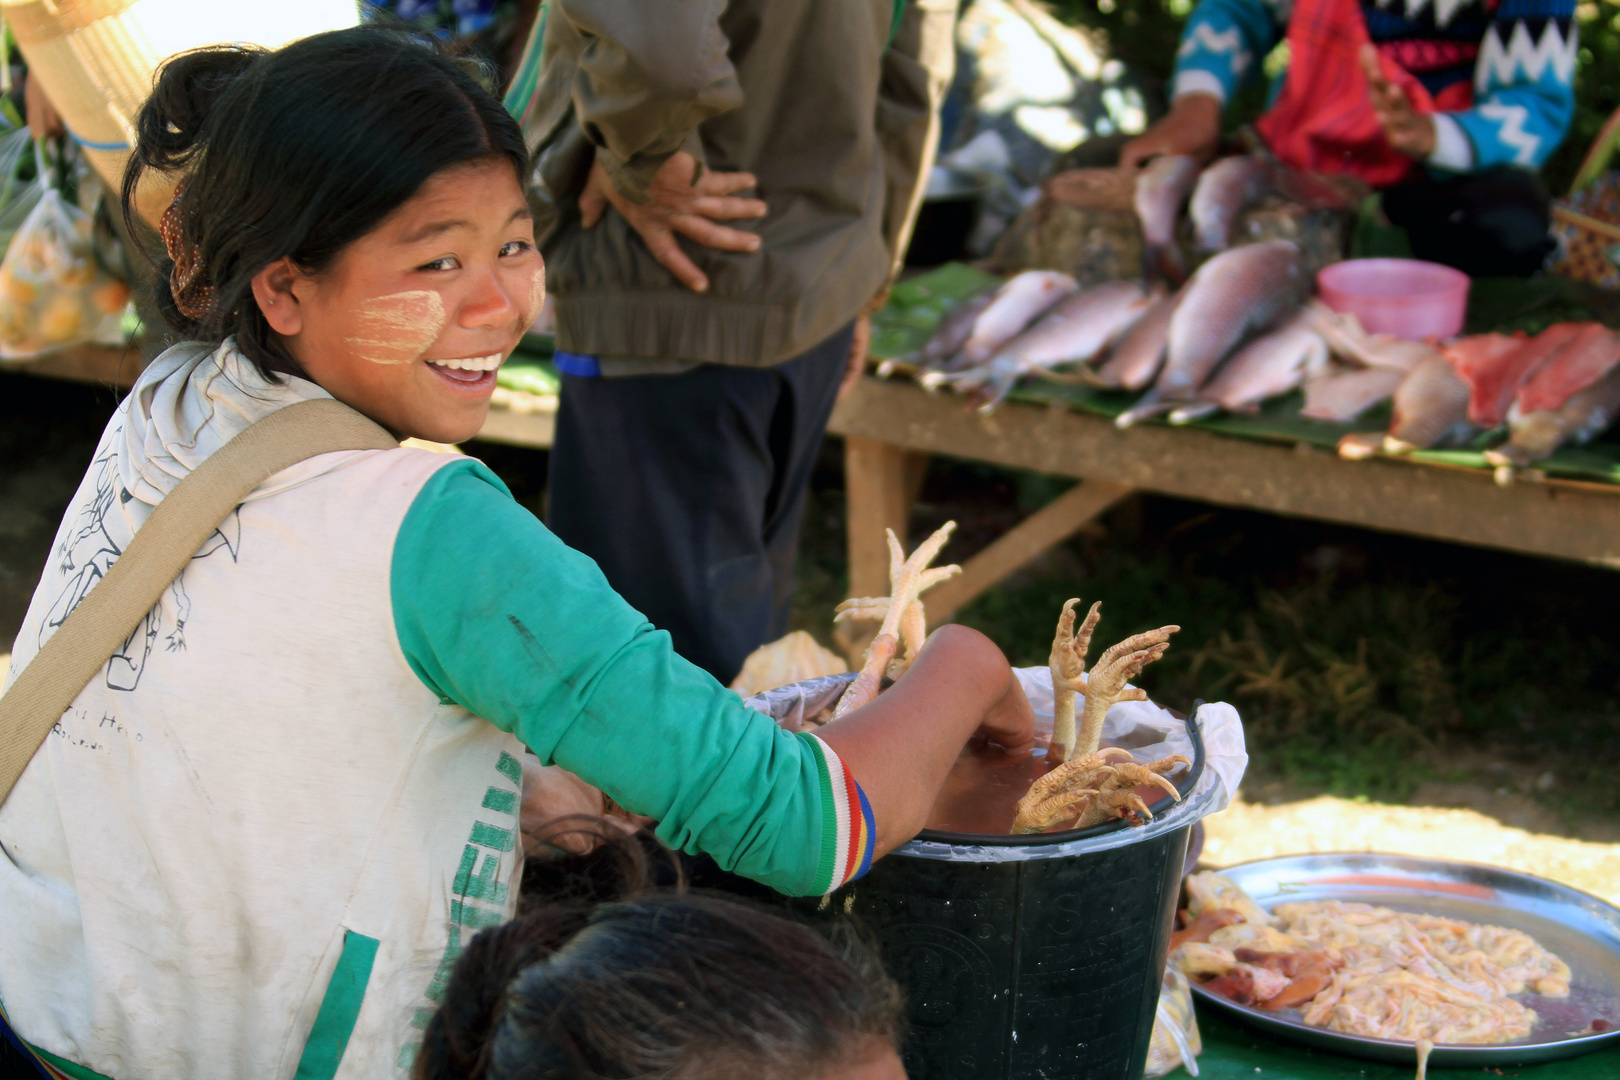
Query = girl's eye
x=446 y=263
x=515 y=247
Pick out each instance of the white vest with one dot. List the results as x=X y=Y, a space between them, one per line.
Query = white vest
x=256 y=785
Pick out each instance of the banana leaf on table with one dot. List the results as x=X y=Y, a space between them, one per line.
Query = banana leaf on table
x=1504 y=304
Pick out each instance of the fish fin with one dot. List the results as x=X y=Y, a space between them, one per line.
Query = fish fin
x=1195 y=411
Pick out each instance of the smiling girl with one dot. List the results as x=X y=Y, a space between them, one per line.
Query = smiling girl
x=255 y=844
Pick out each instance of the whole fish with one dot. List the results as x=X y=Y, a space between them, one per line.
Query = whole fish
x=1345 y=338
x=1579 y=364
x=1013 y=307
x=1161 y=190
x=946 y=343
x=1230 y=296
x=1431 y=405
x=1342 y=397
x=1537 y=434
x=1272 y=364
x=1486 y=362
x=1076 y=329
x=1223 y=191
x=1140 y=354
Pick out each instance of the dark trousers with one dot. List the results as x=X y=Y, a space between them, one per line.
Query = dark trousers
x=1488 y=224
x=687 y=491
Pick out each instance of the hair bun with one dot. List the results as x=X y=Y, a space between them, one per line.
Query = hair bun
x=170 y=127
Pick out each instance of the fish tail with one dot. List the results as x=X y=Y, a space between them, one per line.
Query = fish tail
x=1150 y=405
x=1196 y=411
x=933 y=380
x=996 y=389
x=1163 y=262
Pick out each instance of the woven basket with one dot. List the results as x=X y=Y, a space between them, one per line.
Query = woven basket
x=96 y=59
x=1586 y=222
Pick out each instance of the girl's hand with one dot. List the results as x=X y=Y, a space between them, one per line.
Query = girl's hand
x=551 y=792
x=901 y=746
x=1010 y=722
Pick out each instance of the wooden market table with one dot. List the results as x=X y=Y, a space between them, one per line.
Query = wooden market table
x=891 y=426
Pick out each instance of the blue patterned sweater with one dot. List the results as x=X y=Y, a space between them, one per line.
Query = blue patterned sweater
x=1519 y=54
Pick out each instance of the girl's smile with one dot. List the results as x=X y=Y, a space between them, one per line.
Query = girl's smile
x=411 y=321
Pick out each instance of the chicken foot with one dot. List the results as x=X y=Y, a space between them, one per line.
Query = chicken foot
x=1109 y=680
x=1097 y=785
x=907 y=580
x=1068 y=664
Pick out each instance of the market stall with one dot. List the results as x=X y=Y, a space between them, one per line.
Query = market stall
x=1273 y=459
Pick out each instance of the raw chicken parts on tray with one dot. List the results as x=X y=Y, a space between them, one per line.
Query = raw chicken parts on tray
x=1365 y=970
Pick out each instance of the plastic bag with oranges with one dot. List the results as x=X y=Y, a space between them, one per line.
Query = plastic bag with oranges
x=53 y=291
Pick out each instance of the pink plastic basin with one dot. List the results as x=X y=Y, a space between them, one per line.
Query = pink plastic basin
x=1402 y=297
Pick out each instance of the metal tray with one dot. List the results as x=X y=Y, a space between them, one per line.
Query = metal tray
x=1581 y=929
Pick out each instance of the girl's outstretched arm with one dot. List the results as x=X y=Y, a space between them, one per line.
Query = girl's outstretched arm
x=901 y=746
x=496 y=615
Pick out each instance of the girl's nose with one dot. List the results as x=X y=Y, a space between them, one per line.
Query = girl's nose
x=489 y=304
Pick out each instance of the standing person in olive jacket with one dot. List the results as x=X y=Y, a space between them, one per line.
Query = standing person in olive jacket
x=730 y=186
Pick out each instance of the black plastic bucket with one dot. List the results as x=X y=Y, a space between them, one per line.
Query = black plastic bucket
x=1018 y=964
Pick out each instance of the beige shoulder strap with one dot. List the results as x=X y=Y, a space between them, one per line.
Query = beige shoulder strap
x=162 y=546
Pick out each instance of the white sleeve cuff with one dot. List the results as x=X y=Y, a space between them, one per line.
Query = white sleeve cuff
x=1195 y=81
x=1452 y=150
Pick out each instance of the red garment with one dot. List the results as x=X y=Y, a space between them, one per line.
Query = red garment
x=1324 y=120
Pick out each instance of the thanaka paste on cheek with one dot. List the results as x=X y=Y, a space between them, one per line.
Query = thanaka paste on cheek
x=537 y=298
x=399 y=328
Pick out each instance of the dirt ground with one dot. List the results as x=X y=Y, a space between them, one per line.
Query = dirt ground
x=1491 y=802
x=1247 y=830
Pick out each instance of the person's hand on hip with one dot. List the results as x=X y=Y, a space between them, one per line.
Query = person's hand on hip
x=1407 y=130
x=675 y=204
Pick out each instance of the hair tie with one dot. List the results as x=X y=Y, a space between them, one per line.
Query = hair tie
x=193 y=295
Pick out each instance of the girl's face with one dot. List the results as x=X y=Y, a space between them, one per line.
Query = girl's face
x=410 y=321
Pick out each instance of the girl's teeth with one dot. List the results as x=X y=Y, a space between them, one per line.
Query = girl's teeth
x=474 y=363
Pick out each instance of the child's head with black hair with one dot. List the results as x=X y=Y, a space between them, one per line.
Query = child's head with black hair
x=350 y=209
x=661 y=985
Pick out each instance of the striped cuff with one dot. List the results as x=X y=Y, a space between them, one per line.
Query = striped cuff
x=847 y=833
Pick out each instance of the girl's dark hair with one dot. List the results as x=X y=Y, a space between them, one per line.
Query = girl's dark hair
x=299 y=152
x=658 y=985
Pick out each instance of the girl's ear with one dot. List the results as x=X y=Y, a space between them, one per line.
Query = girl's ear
x=273 y=290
